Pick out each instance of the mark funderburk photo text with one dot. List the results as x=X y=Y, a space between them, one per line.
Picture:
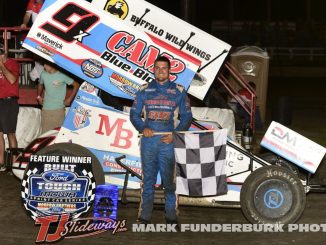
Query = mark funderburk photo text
x=229 y=228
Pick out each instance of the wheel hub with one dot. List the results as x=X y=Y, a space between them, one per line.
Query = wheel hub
x=273 y=198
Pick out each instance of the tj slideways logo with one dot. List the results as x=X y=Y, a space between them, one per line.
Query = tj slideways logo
x=54 y=228
x=117 y=7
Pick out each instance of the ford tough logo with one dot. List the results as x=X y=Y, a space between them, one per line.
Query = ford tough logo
x=59 y=176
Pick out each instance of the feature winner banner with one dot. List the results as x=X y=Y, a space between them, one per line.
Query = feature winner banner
x=58 y=184
x=293 y=147
x=146 y=17
x=101 y=49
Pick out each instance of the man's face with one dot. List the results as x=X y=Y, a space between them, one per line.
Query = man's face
x=161 y=71
x=48 y=68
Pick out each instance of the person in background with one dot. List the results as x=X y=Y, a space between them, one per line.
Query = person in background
x=32 y=10
x=161 y=101
x=54 y=83
x=9 y=108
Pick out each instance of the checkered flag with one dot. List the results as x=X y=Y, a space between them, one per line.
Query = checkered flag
x=92 y=185
x=200 y=163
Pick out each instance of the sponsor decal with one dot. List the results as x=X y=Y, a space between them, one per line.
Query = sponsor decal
x=76 y=21
x=49 y=41
x=124 y=84
x=273 y=198
x=45 y=50
x=293 y=147
x=233 y=157
x=171 y=91
x=109 y=164
x=92 y=68
x=138 y=72
x=65 y=226
x=159 y=115
x=58 y=184
x=87 y=87
x=147 y=25
x=80 y=117
x=284 y=136
x=160 y=101
x=118 y=8
x=123 y=44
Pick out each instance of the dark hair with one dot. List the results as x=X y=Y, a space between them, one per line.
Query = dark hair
x=163 y=59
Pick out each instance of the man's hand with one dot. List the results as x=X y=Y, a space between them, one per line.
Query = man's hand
x=167 y=139
x=67 y=102
x=39 y=100
x=148 y=132
x=2 y=61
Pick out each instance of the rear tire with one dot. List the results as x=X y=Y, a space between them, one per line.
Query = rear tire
x=280 y=161
x=272 y=195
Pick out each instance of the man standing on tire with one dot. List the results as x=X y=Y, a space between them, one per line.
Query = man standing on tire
x=161 y=101
x=9 y=108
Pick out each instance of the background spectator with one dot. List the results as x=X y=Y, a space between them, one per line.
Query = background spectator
x=32 y=10
x=9 y=88
x=54 y=83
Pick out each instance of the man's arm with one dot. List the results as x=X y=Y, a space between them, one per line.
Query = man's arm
x=184 y=112
x=40 y=88
x=136 y=112
x=26 y=18
x=11 y=76
x=75 y=87
x=185 y=117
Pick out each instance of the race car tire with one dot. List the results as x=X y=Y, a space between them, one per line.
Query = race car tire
x=71 y=149
x=280 y=161
x=272 y=195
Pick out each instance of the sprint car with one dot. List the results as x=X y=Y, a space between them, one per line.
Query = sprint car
x=100 y=49
x=269 y=189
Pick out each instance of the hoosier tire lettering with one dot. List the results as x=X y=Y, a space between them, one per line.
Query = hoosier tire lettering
x=283 y=174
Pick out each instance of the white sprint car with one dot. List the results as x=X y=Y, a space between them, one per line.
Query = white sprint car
x=269 y=189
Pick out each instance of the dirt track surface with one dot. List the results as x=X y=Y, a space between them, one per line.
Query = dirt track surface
x=16 y=227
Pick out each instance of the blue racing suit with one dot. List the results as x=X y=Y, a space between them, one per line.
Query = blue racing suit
x=161 y=104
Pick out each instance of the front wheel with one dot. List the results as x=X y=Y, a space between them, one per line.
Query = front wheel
x=272 y=195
